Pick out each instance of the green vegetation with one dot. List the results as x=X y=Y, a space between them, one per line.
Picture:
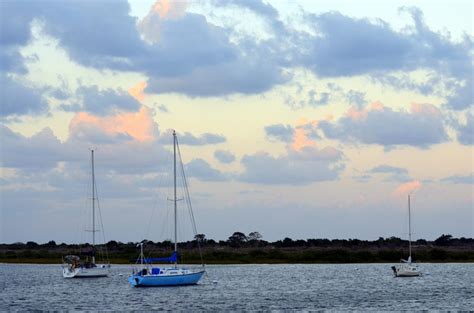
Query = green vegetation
x=241 y=249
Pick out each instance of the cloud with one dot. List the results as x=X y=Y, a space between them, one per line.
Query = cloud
x=182 y=52
x=258 y=7
x=149 y=26
x=191 y=140
x=137 y=91
x=298 y=137
x=296 y=168
x=224 y=156
x=17 y=99
x=376 y=124
x=388 y=169
x=139 y=126
x=465 y=132
x=15 y=26
x=200 y=169
x=110 y=41
x=280 y=132
x=462 y=96
x=301 y=136
x=246 y=76
x=315 y=100
x=407 y=188
x=163 y=108
x=102 y=102
x=38 y=152
x=346 y=46
x=362 y=178
x=356 y=97
x=397 y=174
x=459 y=179
x=127 y=141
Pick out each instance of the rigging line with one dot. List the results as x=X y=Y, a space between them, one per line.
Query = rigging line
x=164 y=222
x=155 y=205
x=188 y=201
x=101 y=223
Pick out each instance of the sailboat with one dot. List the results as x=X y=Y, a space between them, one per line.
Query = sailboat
x=73 y=266
x=150 y=276
x=407 y=268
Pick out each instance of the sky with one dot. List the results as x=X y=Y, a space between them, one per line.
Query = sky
x=300 y=119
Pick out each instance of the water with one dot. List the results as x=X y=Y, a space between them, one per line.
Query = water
x=245 y=287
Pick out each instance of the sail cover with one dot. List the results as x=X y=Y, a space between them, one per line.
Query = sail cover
x=173 y=258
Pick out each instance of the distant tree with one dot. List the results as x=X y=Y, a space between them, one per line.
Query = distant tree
x=421 y=242
x=394 y=241
x=255 y=235
x=443 y=240
x=200 y=238
x=51 y=243
x=31 y=244
x=112 y=244
x=211 y=242
x=300 y=243
x=237 y=239
x=287 y=242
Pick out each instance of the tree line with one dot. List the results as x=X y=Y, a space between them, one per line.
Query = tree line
x=252 y=248
x=255 y=240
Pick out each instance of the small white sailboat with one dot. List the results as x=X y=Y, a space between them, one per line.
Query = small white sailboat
x=73 y=266
x=407 y=268
x=152 y=276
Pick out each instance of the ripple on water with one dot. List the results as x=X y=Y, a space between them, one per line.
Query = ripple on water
x=245 y=287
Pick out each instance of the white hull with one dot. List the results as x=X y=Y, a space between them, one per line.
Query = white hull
x=82 y=272
x=408 y=273
x=406 y=270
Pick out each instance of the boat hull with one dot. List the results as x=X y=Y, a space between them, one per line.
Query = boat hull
x=406 y=271
x=408 y=274
x=165 y=280
x=81 y=272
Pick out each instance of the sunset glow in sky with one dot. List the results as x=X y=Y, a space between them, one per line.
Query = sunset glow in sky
x=300 y=119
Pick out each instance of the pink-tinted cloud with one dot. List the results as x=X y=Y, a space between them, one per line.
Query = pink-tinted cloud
x=301 y=134
x=137 y=91
x=139 y=125
x=407 y=188
x=169 y=9
x=425 y=108
x=161 y=10
x=360 y=114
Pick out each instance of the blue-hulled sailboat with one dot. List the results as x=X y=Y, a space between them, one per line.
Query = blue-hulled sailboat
x=154 y=276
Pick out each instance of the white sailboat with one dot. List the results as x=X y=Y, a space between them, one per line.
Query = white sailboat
x=73 y=266
x=153 y=276
x=407 y=268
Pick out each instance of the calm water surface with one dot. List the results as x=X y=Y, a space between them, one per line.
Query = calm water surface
x=245 y=287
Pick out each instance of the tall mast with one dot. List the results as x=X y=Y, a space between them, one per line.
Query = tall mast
x=409 y=227
x=175 y=200
x=93 y=208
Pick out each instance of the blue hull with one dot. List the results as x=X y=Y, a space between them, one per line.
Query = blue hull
x=164 y=280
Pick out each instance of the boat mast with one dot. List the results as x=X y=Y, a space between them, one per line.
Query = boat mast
x=175 y=200
x=409 y=228
x=93 y=208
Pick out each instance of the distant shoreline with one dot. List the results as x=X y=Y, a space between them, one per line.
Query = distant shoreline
x=225 y=264
x=241 y=250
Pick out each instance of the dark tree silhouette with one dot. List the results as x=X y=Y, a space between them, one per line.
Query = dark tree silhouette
x=255 y=235
x=443 y=240
x=237 y=239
